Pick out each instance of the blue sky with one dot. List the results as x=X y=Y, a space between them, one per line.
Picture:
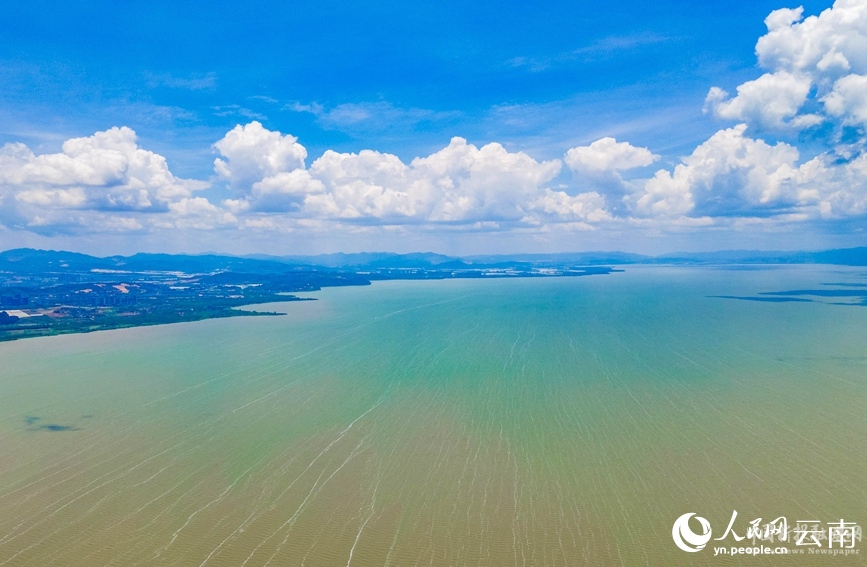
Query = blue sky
x=365 y=88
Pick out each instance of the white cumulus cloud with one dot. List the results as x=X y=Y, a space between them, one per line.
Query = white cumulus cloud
x=470 y=183
x=599 y=166
x=584 y=206
x=253 y=153
x=848 y=99
x=773 y=100
x=607 y=154
x=819 y=58
x=458 y=184
x=104 y=172
x=733 y=175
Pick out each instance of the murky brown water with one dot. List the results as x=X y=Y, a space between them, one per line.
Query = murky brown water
x=522 y=422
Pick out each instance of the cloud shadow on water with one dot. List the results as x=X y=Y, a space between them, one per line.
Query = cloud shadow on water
x=31 y=420
x=765 y=299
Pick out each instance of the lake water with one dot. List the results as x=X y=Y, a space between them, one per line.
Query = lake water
x=561 y=421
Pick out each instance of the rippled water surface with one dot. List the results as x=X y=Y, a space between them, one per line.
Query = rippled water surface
x=563 y=421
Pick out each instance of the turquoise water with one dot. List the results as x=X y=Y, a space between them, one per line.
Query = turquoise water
x=561 y=421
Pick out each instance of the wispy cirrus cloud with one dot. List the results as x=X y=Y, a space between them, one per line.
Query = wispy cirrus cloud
x=237 y=110
x=264 y=98
x=195 y=82
x=368 y=117
x=599 y=49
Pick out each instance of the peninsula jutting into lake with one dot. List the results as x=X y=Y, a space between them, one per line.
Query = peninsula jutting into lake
x=48 y=292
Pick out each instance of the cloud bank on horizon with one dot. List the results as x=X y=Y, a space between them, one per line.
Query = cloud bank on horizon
x=813 y=88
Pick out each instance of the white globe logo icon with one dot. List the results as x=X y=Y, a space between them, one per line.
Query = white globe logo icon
x=685 y=538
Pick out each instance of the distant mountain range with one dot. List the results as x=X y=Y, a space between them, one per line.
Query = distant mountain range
x=845 y=257
x=369 y=260
x=27 y=260
x=30 y=261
